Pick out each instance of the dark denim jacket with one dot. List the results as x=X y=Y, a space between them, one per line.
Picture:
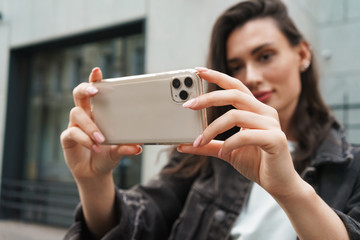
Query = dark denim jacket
x=206 y=206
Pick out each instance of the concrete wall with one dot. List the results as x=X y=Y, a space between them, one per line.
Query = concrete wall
x=334 y=34
x=338 y=27
x=40 y=20
x=4 y=63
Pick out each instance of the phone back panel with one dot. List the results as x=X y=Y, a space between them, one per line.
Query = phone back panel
x=147 y=109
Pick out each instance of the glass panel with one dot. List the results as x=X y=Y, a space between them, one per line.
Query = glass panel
x=54 y=75
x=349 y=114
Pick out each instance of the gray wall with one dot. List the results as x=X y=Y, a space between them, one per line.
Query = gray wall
x=336 y=44
x=339 y=34
x=177 y=36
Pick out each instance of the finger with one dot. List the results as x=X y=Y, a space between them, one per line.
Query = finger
x=82 y=94
x=84 y=91
x=270 y=141
x=78 y=117
x=222 y=80
x=119 y=151
x=95 y=75
x=232 y=118
x=211 y=149
x=73 y=136
x=232 y=97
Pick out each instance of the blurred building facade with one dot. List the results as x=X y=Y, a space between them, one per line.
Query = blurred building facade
x=49 y=47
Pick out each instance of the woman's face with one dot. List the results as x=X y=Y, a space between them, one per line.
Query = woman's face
x=259 y=55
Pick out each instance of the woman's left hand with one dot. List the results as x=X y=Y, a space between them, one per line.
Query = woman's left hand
x=259 y=151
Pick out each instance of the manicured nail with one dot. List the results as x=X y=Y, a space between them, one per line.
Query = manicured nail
x=139 y=150
x=198 y=140
x=98 y=137
x=190 y=103
x=201 y=69
x=96 y=148
x=95 y=69
x=179 y=149
x=92 y=90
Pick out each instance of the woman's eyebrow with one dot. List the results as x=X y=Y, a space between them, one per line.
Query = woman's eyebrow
x=257 y=49
x=253 y=52
x=232 y=60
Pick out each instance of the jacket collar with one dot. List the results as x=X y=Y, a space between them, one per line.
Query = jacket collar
x=334 y=150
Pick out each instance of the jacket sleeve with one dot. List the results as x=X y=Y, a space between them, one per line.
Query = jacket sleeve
x=352 y=226
x=351 y=216
x=143 y=212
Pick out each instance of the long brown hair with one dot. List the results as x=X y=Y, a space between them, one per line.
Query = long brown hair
x=312 y=118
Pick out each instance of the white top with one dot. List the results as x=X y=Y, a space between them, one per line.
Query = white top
x=262 y=217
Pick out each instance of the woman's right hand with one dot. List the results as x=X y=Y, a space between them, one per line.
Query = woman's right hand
x=86 y=158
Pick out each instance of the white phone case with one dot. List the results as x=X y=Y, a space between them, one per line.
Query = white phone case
x=147 y=109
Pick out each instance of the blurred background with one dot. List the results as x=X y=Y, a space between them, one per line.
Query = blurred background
x=47 y=47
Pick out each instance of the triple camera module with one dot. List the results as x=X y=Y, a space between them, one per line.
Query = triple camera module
x=182 y=88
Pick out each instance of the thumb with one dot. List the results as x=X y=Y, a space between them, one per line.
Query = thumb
x=95 y=75
x=119 y=151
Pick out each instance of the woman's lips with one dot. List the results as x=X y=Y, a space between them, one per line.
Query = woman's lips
x=263 y=96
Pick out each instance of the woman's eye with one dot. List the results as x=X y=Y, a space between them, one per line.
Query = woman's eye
x=266 y=57
x=234 y=70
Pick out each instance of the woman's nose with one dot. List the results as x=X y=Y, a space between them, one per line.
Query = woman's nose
x=253 y=76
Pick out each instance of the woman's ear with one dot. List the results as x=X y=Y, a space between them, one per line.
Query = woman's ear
x=304 y=52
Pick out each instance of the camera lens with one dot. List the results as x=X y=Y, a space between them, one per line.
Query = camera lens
x=184 y=95
x=188 y=82
x=176 y=83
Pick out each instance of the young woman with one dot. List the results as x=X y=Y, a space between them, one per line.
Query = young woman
x=273 y=163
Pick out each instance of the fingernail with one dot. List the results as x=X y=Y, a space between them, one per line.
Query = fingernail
x=92 y=90
x=190 y=103
x=179 y=149
x=139 y=150
x=98 y=137
x=201 y=69
x=198 y=140
x=95 y=69
x=96 y=148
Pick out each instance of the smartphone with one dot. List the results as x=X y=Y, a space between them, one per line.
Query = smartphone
x=147 y=109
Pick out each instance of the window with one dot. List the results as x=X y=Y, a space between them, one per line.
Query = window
x=54 y=74
x=36 y=184
x=348 y=114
